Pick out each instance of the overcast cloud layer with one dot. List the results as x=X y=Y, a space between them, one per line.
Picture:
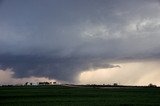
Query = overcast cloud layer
x=61 y=38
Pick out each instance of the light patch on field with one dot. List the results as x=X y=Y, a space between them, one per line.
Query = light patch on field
x=6 y=78
x=133 y=73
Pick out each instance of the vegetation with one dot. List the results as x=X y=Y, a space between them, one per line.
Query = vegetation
x=57 y=95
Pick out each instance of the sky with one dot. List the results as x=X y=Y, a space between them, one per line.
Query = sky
x=80 y=41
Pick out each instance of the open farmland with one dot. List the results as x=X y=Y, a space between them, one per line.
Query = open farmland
x=78 y=96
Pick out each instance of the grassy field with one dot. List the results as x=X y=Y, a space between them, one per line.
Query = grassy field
x=78 y=96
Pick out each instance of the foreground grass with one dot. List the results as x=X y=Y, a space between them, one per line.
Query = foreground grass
x=67 y=96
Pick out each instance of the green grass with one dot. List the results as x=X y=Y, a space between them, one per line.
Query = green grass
x=67 y=96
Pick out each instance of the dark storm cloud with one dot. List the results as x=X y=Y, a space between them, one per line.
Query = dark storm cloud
x=59 y=39
x=66 y=68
